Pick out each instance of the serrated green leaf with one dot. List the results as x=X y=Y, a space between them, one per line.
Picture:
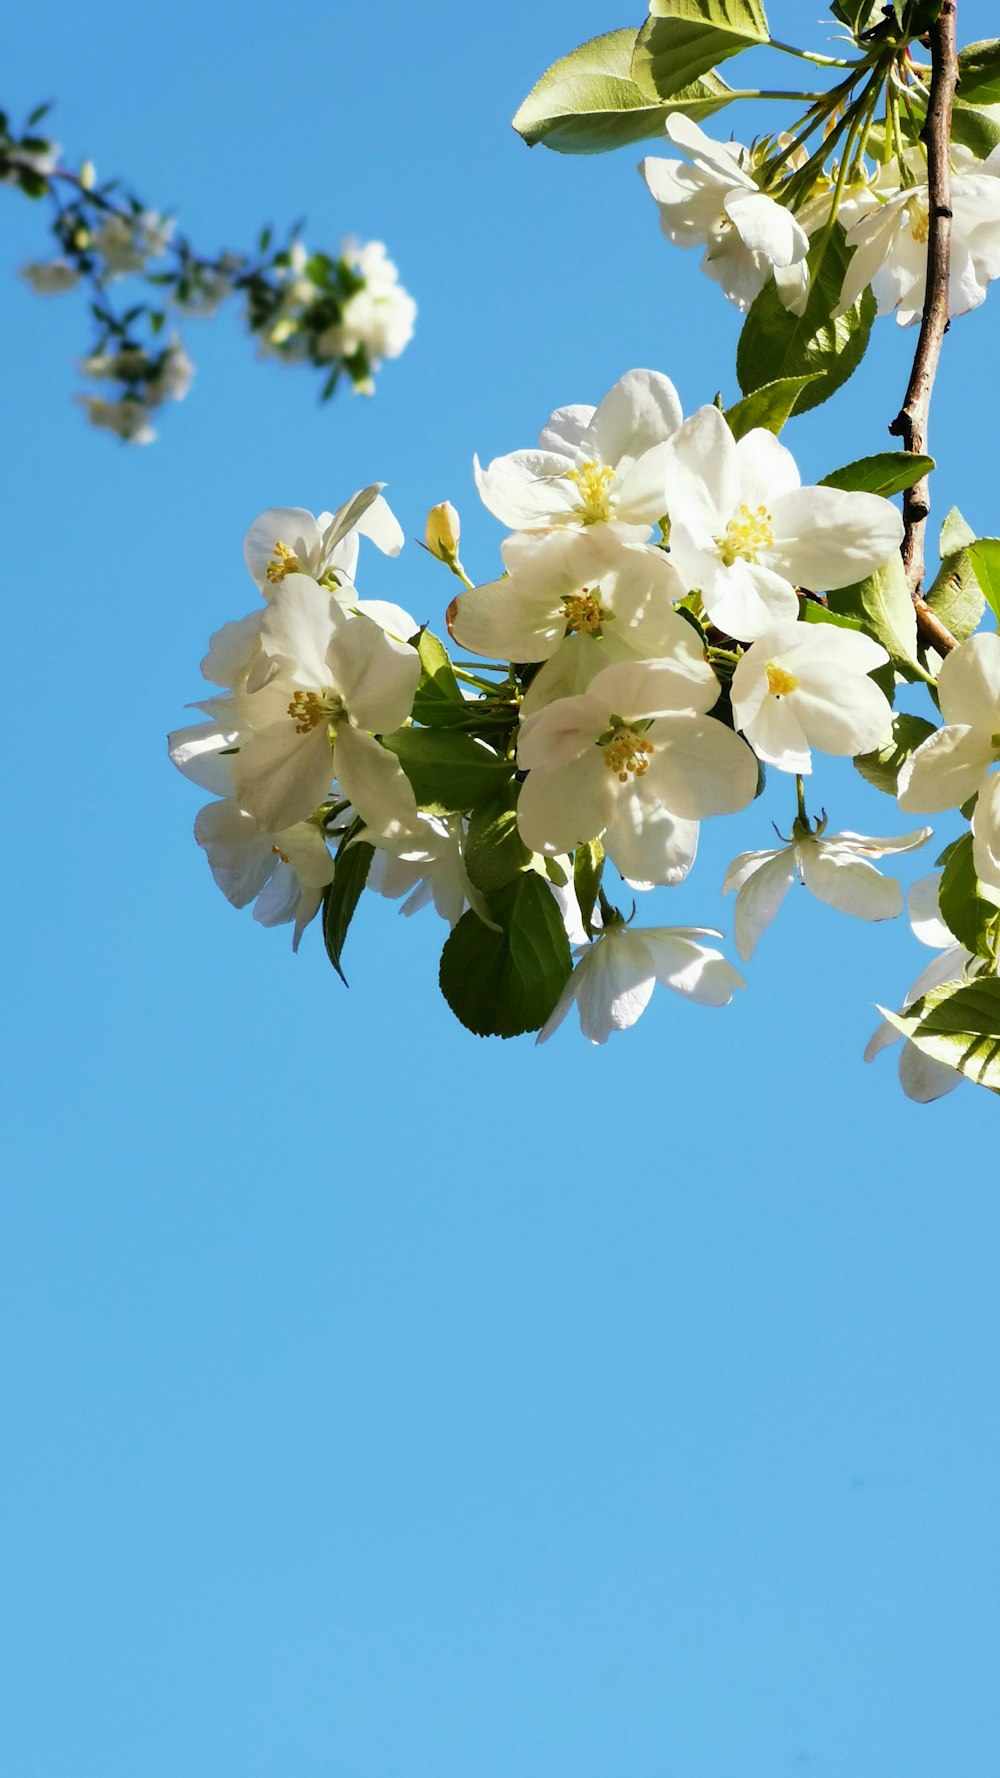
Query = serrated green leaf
x=494 y=851
x=956 y=596
x=883 y=604
x=769 y=406
x=588 y=868
x=881 y=769
x=979 y=73
x=775 y=343
x=683 y=39
x=984 y=555
x=590 y=100
x=958 y=1024
x=501 y=983
x=886 y=473
x=969 y=912
x=955 y=534
x=449 y=773
x=350 y=874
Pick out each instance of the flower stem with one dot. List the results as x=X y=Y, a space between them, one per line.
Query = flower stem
x=811 y=55
x=800 y=792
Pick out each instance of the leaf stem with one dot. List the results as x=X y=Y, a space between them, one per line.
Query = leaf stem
x=810 y=55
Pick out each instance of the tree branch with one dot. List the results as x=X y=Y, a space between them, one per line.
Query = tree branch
x=911 y=422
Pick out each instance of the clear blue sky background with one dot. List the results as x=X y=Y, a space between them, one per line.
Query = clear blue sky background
x=377 y=1402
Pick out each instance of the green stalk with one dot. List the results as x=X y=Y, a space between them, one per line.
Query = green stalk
x=811 y=55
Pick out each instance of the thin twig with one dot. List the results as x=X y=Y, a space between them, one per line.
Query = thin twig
x=911 y=422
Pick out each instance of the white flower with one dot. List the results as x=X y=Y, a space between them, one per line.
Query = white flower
x=50 y=277
x=210 y=285
x=806 y=685
x=43 y=161
x=635 y=759
x=890 y=242
x=285 y=873
x=614 y=978
x=128 y=418
x=835 y=869
x=339 y=680
x=571 y=583
x=746 y=533
x=125 y=243
x=173 y=376
x=594 y=467
x=424 y=865
x=955 y=763
x=289 y=540
x=923 y=1077
x=380 y=317
x=717 y=203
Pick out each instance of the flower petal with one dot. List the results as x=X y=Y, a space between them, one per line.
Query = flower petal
x=642 y=410
x=945 y=770
x=969 y=684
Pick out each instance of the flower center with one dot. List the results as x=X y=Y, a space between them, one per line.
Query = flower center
x=584 y=611
x=594 y=480
x=308 y=709
x=747 y=533
x=627 y=754
x=780 y=683
x=284 y=561
x=920 y=222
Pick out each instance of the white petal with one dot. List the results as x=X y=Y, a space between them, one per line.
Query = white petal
x=643 y=409
x=826 y=538
x=615 y=984
x=923 y=1078
x=760 y=898
x=925 y=913
x=704 y=448
x=969 y=684
x=648 y=843
x=700 y=767
x=556 y=809
x=945 y=770
x=564 y=430
x=199 y=752
x=380 y=525
x=281 y=776
x=715 y=157
x=291 y=525
x=697 y=971
x=527 y=489
x=767 y=227
x=766 y=468
x=850 y=884
x=372 y=779
x=986 y=833
x=376 y=675
x=776 y=736
x=297 y=627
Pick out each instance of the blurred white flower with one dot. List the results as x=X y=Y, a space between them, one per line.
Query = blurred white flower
x=125 y=243
x=128 y=418
x=380 y=317
x=50 y=277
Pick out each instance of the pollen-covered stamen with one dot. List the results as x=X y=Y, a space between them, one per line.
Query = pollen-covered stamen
x=780 y=683
x=594 y=480
x=627 y=754
x=308 y=709
x=748 y=532
x=284 y=561
x=584 y=611
x=278 y=853
x=920 y=222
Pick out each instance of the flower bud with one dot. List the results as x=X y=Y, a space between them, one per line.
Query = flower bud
x=443 y=532
x=88 y=175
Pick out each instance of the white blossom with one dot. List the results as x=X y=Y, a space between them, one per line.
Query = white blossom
x=50 y=277
x=425 y=865
x=125 y=243
x=717 y=203
x=127 y=418
x=806 y=685
x=614 y=977
x=955 y=763
x=378 y=318
x=289 y=540
x=835 y=868
x=284 y=873
x=746 y=533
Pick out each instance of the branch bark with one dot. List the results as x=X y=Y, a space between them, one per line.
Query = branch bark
x=911 y=423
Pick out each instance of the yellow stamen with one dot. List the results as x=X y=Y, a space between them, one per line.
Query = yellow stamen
x=308 y=709
x=920 y=223
x=284 y=561
x=594 y=480
x=780 y=683
x=628 y=755
x=584 y=611
x=747 y=533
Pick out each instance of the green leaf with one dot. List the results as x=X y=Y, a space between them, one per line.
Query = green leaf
x=857 y=15
x=885 y=608
x=502 y=983
x=769 y=406
x=975 y=127
x=449 y=772
x=886 y=473
x=438 y=691
x=985 y=557
x=588 y=868
x=590 y=100
x=811 y=612
x=881 y=769
x=494 y=851
x=955 y=534
x=956 y=596
x=979 y=73
x=775 y=343
x=972 y=915
x=958 y=1024
x=684 y=39
x=350 y=874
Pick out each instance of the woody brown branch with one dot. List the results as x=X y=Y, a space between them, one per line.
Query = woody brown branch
x=911 y=423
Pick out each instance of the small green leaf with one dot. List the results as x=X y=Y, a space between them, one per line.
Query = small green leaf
x=857 y=15
x=985 y=557
x=885 y=608
x=958 y=1024
x=494 y=851
x=975 y=127
x=503 y=982
x=956 y=596
x=811 y=612
x=979 y=73
x=775 y=343
x=881 y=769
x=886 y=473
x=590 y=100
x=438 y=691
x=449 y=772
x=769 y=406
x=684 y=39
x=955 y=534
x=350 y=873
x=972 y=915
x=588 y=868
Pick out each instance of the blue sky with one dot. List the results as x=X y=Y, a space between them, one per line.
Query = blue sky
x=376 y=1400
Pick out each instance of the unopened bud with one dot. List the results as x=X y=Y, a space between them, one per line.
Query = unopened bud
x=88 y=175
x=443 y=531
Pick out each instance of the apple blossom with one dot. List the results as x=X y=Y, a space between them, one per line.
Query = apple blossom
x=717 y=203
x=424 y=865
x=955 y=764
x=615 y=975
x=285 y=873
x=835 y=868
x=50 y=277
x=378 y=318
x=804 y=685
